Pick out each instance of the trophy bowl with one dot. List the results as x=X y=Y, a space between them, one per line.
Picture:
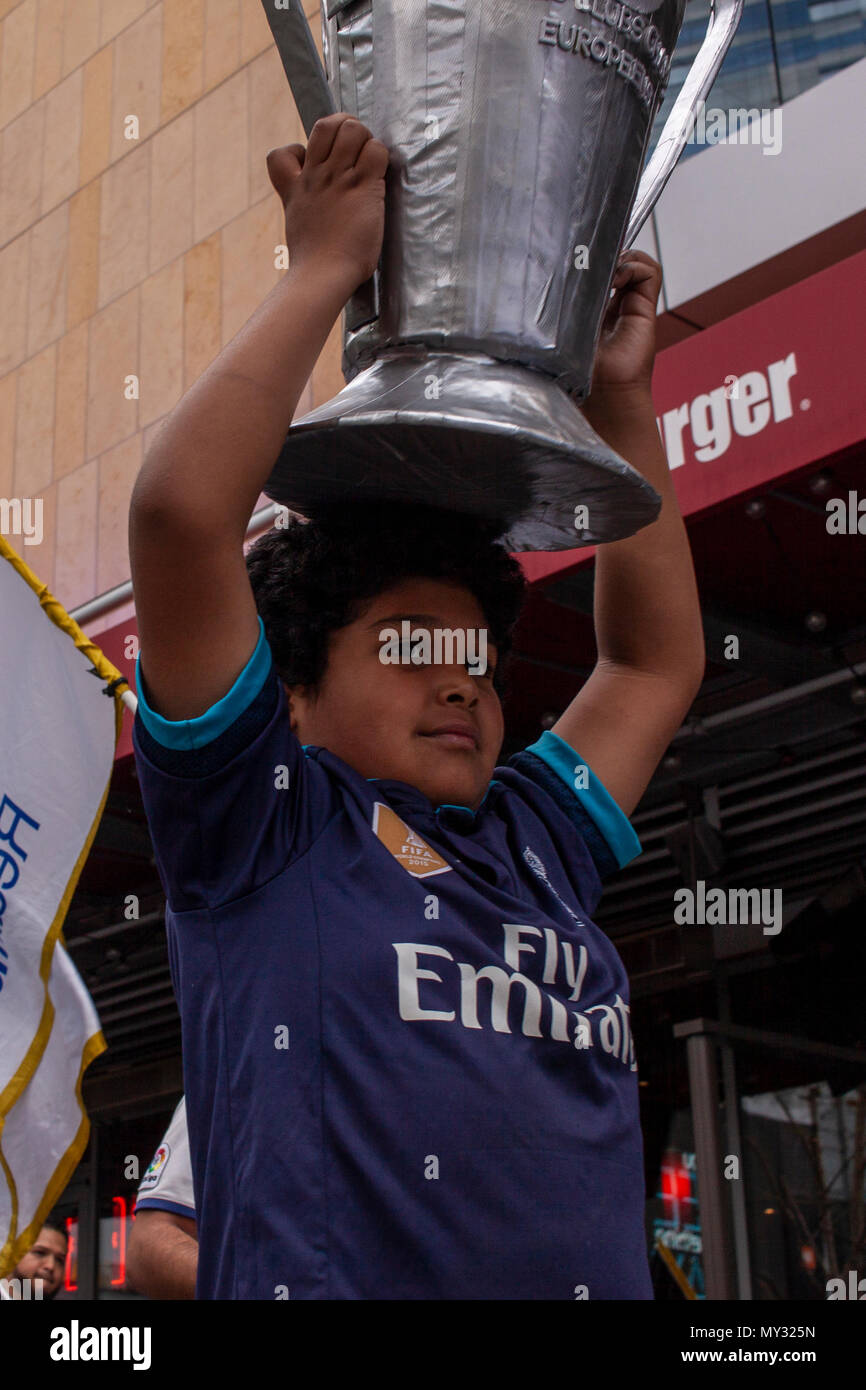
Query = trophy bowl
x=518 y=131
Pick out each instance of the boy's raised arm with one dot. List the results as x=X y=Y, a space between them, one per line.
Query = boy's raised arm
x=647 y=611
x=202 y=476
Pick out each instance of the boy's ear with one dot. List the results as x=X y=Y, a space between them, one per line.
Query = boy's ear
x=293 y=693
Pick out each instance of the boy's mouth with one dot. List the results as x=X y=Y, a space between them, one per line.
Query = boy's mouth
x=454 y=735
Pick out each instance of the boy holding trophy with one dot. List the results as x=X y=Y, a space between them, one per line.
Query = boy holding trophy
x=408 y=1061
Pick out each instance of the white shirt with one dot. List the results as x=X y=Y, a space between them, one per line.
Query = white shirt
x=167 y=1182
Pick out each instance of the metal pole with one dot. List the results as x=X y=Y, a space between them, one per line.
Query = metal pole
x=122 y=593
x=88 y=1224
x=703 y=1088
x=736 y=1186
x=734 y=1141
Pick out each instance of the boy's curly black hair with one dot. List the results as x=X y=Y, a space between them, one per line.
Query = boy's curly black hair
x=310 y=578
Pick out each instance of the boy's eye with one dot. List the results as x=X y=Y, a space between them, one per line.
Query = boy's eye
x=407 y=649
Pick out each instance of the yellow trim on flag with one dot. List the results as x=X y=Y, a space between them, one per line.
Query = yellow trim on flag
x=59 y=616
x=16 y=1246
x=108 y=672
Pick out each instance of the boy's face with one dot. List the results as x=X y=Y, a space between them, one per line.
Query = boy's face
x=382 y=718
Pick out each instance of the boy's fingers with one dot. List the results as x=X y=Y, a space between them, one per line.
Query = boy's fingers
x=639 y=265
x=284 y=164
x=327 y=130
x=322 y=137
x=642 y=275
x=374 y=159
x=349 y=141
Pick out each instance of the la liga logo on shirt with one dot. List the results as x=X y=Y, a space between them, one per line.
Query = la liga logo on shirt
x=155 y=1168
x=406 y=845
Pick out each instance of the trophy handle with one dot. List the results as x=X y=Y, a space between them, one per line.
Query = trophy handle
x=724 y=18
x=313 y=98
x=301 y=63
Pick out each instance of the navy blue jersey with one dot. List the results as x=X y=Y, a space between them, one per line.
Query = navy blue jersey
x=407 y=1056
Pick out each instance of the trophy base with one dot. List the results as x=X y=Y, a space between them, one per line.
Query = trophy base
x=471 y=434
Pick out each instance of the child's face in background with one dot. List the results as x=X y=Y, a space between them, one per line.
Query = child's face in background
x=380 y=717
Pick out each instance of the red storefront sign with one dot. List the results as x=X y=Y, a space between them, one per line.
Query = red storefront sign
x=757 y=396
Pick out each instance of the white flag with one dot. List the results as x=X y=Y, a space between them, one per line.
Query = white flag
x=58 y=733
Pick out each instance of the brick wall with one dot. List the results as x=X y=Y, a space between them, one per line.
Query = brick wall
x=126 y=257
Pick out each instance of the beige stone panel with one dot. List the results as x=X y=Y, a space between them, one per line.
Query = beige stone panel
x=80 y=32
x=49 y=46
x=49 y=244
x=8 y=391
x=113 y=356
x=274 y=120
x=123 y=224
x=221 y=157
x=75 y=529
x=63 y=108
x=34 y=424
x=222 y=41
x=17 y=61
x=115 y=15
x=305 y=403
x=171 y=191
x=202 y=290
x=70 y=401
x=327 y=377
x=83 y=270
x=21 y=153
x=150 y=434
x=161 y=342
x=14 y=263
x=118 y=469
x=136 y=86
x=313 y=11
x=248 y=271
x=256 y=33
x=40 y=557
x=95 y=147
x=182 y=55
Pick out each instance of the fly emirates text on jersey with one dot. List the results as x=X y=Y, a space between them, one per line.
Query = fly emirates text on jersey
x=482 y=995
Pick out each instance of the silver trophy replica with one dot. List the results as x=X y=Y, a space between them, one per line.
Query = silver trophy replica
x=518 y=130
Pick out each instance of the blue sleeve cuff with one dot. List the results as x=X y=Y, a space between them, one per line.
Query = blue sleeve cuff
x=596 y=800
x=198 y=732
x=158 y=1204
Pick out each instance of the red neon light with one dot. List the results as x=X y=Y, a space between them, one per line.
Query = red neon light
x=676 y=1184
x=118 y=1238
x=71 y=1253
